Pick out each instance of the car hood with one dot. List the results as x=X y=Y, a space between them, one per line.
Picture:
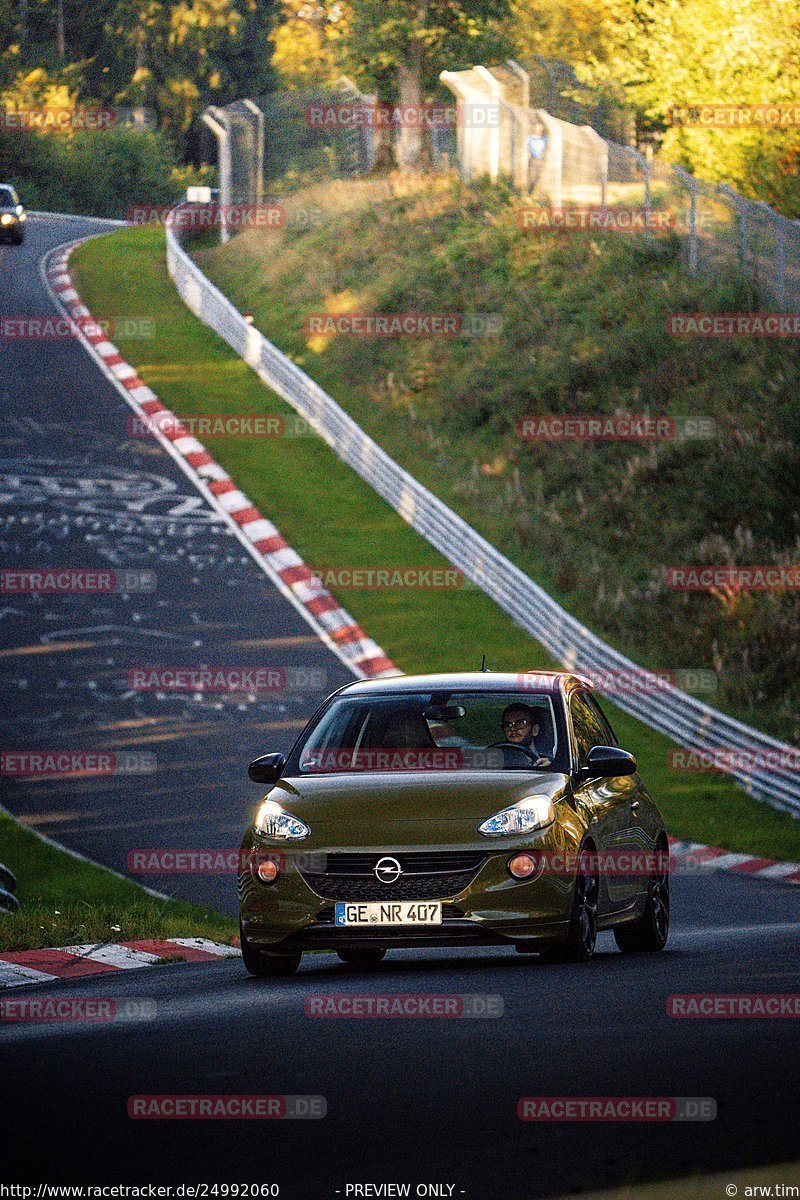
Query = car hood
x=337 y=801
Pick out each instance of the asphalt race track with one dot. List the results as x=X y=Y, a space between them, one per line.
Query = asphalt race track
x=77 y=490
x=417 y=1101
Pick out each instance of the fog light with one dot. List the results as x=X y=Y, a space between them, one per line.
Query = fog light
x=267 y=871
x=522 y=866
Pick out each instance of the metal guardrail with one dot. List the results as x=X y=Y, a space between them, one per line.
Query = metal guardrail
x=8 y=885
x=771 y=775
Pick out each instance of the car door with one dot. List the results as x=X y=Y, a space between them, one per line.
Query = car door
x=606 y=802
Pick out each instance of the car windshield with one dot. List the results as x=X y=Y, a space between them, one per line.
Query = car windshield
x=442 y=731
x=7 y=198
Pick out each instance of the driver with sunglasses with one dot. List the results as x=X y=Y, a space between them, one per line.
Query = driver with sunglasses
x=521 y=728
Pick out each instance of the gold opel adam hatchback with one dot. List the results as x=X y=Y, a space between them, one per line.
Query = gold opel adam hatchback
x=453 y=810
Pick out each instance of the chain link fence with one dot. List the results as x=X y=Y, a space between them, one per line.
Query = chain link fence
x=531 y=123
x=299 y=134
x=573 y=165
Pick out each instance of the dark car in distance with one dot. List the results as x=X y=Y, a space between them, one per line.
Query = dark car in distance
x=462 y=809
x=12 y=216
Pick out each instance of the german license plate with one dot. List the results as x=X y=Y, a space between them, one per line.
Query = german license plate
x=389 y=912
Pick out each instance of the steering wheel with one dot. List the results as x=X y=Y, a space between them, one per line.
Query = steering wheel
x=536 y=759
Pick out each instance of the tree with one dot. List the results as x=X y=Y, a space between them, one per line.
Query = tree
x=400 y=47
x=392 y=48
x=579 y=31
x=677 y=53
x=667 y=54
x=305 y=40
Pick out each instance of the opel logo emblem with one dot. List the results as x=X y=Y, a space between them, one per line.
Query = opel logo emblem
x=388 y=870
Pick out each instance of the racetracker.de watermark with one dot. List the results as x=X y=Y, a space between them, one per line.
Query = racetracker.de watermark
x=73 y=120
x=63 y=764
x=398 y=758
x=54 y=329
x=735 y=1005
x=597 y=220
x=360 y=114
x=215 y=678
x=619 y=427
x=375 y=579
x=410 y=324
x=75 y=581
x=617 y=1108
x=628 y=681
x=226 y=1108
x=63 y=1009
x=221 y=861
x=225 y=425
x=198 y=217
x=613 y=864
x=746 y=324
x=735 y=116
x=762 y=578
x=425 y=1005
x=722 y=758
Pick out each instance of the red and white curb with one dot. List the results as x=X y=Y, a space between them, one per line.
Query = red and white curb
x=690 y=858
x=332 y=623
x=18 y=967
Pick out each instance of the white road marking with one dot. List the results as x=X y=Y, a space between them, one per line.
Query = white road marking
x=14 y=975
x=210 y=947
x=113 y=956
x=777 y=871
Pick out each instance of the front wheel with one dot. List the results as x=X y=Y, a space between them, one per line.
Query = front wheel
x=650 y=932
x=265 y=965
x=362 y=958
x=580 y=943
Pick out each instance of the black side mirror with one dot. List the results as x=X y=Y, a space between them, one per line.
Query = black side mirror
x=608 y=762
x=267 y=769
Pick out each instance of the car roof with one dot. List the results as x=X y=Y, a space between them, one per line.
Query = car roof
x=549 y=682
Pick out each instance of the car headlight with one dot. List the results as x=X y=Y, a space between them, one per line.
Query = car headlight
x=7 y=219
x=272 y=821
x=534 y=812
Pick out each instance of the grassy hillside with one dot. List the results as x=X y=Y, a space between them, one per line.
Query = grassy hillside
x=584 y=332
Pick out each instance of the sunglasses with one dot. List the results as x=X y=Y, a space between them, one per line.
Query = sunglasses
x=516 y=724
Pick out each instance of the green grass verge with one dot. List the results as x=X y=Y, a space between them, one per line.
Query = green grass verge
x=65 y=901
x=330 y=516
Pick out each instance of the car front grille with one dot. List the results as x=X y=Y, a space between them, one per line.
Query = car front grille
x=425 y=876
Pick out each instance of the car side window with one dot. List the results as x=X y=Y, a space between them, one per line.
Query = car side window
x=609 y=737
x=587 y=727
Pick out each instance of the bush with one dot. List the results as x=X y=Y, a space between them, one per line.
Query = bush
x=94 y=174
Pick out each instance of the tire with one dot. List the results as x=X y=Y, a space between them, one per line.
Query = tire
x=649 y=933
x=19 y=239
x=580 y=942
x=362 y=958
x=265 y=965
